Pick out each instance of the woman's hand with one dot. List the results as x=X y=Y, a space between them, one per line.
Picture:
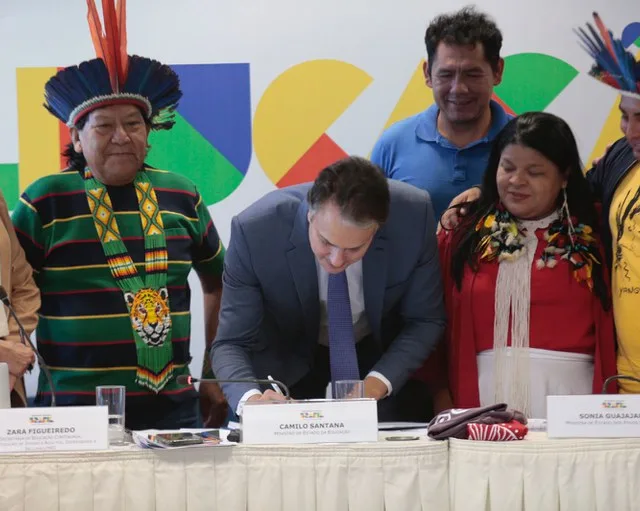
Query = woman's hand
x=18 y=357
x=452 y=216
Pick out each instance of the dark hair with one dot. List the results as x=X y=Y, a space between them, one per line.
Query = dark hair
x=461 y=28
x=357 y=186
x=552 y=137
x=76 y=160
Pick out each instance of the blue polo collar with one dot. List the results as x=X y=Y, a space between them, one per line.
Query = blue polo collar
x=427 y=128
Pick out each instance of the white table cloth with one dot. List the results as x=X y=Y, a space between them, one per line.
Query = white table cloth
x=541 y=474
x=384 y=476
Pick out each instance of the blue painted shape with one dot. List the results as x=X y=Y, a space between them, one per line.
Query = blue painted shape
x=631 y=34
x=216 y=102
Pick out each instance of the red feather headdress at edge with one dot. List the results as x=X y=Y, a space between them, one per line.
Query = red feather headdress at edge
x=114 y=77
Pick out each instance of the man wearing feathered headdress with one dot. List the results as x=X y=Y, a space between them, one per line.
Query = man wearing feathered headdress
x=616 y=181
x=112 y=241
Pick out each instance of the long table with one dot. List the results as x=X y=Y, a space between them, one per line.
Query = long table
x=531 y=475
x=542 y=474
x=384 y=476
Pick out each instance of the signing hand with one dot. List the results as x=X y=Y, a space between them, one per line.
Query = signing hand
x=267 y=395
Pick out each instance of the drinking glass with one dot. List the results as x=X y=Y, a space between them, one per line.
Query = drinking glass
x=113 y=397
x=349 y=389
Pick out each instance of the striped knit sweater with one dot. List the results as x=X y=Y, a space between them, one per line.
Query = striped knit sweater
x=84 y=332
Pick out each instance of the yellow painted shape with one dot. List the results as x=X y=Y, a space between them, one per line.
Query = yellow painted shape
x=610 y=131
x=38 y=132
x=416 y=98
x=298 y=107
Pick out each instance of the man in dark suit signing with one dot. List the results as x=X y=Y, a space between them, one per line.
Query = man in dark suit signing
x=334 y=280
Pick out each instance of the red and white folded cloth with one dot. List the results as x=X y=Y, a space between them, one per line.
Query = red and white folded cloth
x=490 y=423
x=503 y=432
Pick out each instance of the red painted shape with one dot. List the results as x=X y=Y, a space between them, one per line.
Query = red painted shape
x=322 y=153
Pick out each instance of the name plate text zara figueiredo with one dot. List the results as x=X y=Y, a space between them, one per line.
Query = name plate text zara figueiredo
x=64 y=428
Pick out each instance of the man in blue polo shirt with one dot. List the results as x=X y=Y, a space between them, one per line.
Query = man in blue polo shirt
x=444 y=150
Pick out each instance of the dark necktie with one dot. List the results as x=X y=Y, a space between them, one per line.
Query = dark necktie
x=342 y=346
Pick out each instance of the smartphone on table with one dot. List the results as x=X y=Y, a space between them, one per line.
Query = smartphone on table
x=176 y=439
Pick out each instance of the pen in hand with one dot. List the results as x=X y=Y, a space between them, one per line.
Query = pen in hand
x=274 y=386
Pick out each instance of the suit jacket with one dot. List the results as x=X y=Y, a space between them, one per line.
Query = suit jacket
x=17 y=279
x=269 y=316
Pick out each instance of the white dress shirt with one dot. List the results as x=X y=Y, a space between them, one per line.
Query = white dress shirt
x=361 y=326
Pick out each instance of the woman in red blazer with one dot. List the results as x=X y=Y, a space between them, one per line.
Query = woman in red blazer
x=526 y=290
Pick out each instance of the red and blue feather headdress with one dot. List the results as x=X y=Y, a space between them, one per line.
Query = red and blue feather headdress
x=614 y=65
x=114 y=77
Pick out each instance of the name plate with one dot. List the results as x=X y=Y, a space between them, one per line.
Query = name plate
x=310 y=422
x=593 y=416
x=65 y=428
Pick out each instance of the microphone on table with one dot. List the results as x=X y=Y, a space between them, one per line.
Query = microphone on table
x=616 y=377
x=4 y=298
x=184 y=379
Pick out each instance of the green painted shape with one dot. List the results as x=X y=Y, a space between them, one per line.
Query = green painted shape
x=532 y=81
x=185 y=151
x=9 y=183
x=637 y=43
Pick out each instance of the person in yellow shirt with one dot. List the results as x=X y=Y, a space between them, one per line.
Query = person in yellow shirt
x=616 y=181
x=624 y=221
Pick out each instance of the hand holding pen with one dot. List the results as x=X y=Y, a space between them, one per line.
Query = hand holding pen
x=270 y=395
x=274 y=386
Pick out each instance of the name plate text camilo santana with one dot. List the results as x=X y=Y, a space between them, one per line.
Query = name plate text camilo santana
x=310 y=421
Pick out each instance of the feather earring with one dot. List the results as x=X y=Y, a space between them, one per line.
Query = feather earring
x=566 y=214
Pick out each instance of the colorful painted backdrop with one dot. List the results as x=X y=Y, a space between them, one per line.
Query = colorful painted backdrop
x=275 y=90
